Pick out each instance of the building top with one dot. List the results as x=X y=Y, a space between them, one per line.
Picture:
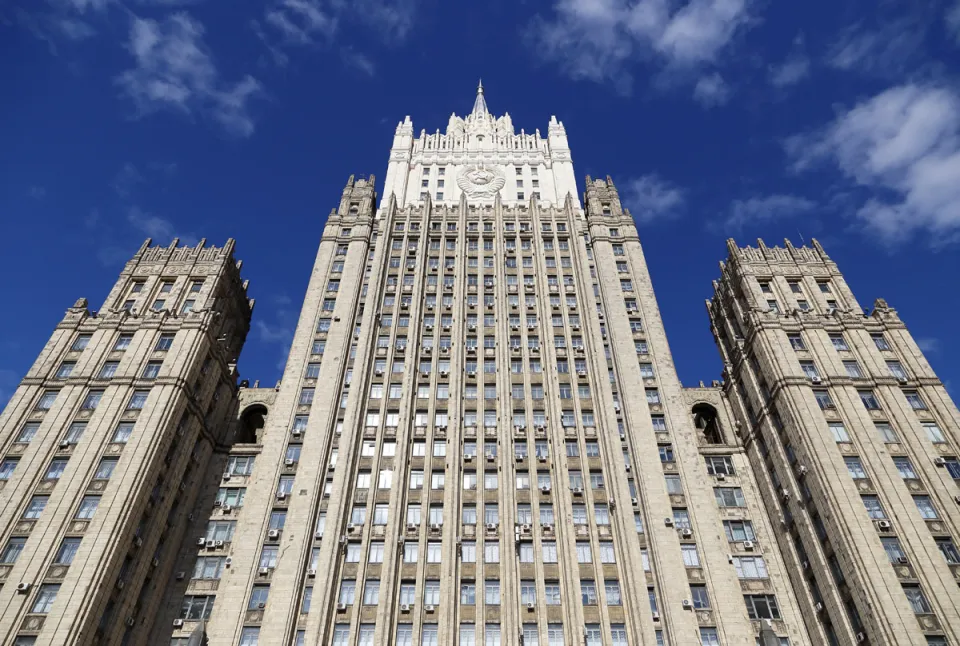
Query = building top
x=480 y=156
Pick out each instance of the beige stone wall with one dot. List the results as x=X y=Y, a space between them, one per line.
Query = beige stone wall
x=107 y=591
x=839 y=561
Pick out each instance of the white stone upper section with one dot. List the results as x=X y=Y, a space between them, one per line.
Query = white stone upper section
x=478 y=157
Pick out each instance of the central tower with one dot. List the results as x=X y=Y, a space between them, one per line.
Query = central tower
x=479 y=159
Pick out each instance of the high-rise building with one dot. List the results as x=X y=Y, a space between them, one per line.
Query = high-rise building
x=104 y=445
x=853 y=440
x=480 y=438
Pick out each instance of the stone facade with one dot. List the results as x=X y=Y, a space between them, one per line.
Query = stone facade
x=479 y=438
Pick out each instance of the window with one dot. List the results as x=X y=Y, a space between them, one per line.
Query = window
x=65 y=369
x=762 y=606
x=750 y=567
x=838 y=342
x=855 y=468
x=739 y=530
x=207 y=567
x=35 y=507
x=873 y=507
x=165 y=342
x=947 y=548
x=92 y=400
x=81 y=342
x=887 y=434
x=709 y=637
x=138 y=400
x=123 y=342
x=45 y=598
x=896 y=370
x=880 y=341
x=698 y=593
x=7 y=467
x=691 y=558
x=491 y=592
x=258 y=597
x=925 y=506
x=105 y=469
x=917 y=599
x=853 y=370
x=915 y=400
x=810 y=370
x=249 y=636
x=905 y=468
x=796 y=342
x=13 y=549
x=720 y=465
x=729 y=497
x=869 y=399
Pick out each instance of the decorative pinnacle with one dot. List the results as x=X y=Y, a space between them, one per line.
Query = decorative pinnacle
x=480 y=105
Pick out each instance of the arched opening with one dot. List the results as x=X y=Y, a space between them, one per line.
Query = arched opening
x=708 y=426
x=251 y=424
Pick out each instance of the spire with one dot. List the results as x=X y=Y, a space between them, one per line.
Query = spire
x=480 y=105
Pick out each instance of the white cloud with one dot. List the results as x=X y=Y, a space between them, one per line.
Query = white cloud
x=175 y=71
x=928 y=345
x=888 y=49
x=650 y=198
x=601 y=40
x=791 y=71
x=711 y=90
x=309 y=22
x=761 y=208
x=37 y=192
x=903 y=146
x=953 y=20
x=358 y=61
x=74 y=29
x=160 y=229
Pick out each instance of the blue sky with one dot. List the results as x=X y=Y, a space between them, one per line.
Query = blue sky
x=716 y=118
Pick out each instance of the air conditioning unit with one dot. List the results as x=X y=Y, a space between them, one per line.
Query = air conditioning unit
x=23 y=588
x=201 y=541
x=178 y=623
x=471 y=373
x=815 y=379
x=520 y=458
x=405 y=607
x=884 y=524
x=378 y=372
x=686 y=533
x=545 y=489
x=581 y=373
x=491 y=457
x=668 y=522
x=436 y=527
x=548 y=527
x=627 y=468
x=217 y=503
x=341 y=607
x=748 y=545
x=656 y=616
x=428 y=327
x=429 y=608
x=861 y=637
x=939 y=462
x=318 y=535
x=226 y=476
x=472 y=328
x=181 y=576
x=261 y=605
x=211 y=544
x=721 y=477
x=818 y=607
x=468 y=458
x=64 y=444
x=281 y=495
x=902 y=560
x=412 y=527
x=226 y=509
x=289 y=462
x=444 y=373
x=217 y=544
x=312 y=572
x=542 y=458
x=264 y=571
x=227 y=562
x=297 y=432
x=687 y=604
x=491 y=527
x=273 y=534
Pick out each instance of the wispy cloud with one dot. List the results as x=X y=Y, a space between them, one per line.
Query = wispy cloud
x=928 y=345
x=37 y=192
x=8 y=383
x=903 y=147
x=175 y=71
x=793 y=69
x=890 y=47
x=952 y=19
x=711 y=90
x=156 y=227
x=603 y=40
x=281 y=330
x=288 y=23
x=651 y=198
x=764 y=208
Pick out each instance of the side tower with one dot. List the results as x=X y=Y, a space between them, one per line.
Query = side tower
x=854 y=441
x=104 y=439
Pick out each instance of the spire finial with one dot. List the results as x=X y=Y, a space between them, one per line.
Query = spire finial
x=479 y=105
